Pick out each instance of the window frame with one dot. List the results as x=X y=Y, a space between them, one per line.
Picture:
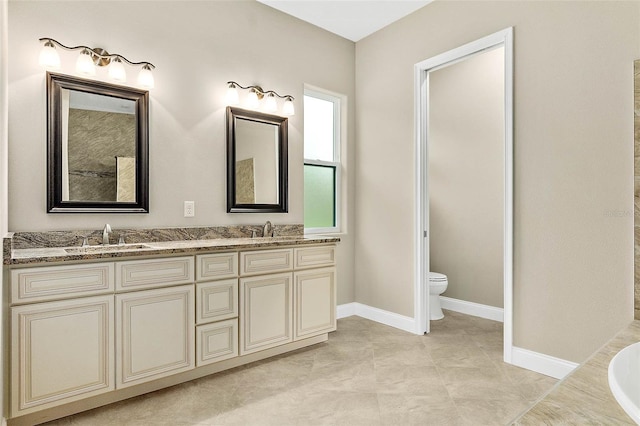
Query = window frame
x=337 y=101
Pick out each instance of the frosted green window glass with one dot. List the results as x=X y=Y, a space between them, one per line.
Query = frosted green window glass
x=319 y=196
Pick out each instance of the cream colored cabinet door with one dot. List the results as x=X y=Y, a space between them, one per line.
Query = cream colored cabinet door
x=155 y=332
x=61 y=352
x=265 y=312
x=314 y=298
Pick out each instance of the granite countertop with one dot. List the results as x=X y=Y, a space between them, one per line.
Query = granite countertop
x=66 y=254
x=584 y=396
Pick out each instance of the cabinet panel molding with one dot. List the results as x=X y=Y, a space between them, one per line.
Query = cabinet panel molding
x=61 y=352
x=155 y=334
x=56 y=282
x=314 y=302
x=216 y=342
x=315 y=257
x=216 y=266
x=216 y=300
x=266 y=261
x=266 y=312
x=138 y=274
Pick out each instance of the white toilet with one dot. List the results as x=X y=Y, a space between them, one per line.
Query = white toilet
x=437 y=285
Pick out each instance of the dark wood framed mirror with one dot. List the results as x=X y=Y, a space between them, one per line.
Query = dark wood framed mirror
x=97 y=147
x=256 y=162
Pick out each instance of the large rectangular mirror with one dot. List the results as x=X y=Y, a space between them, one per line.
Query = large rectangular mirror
x=98 y=142
x=256 y=162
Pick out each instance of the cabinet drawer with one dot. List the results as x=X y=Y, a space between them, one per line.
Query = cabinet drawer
x=216 y=300
x=315 y=257
x=56 y=282
x=266 y=261
x=216 y=341
x=216 y=266
x=137 y=274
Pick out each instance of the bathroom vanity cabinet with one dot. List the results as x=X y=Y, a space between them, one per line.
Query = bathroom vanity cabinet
x=93 y=332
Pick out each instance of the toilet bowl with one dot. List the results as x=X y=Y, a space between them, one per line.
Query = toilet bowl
x=437 y=285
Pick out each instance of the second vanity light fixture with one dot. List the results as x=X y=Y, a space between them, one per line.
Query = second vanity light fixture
x=256 y=94
x=89 y=58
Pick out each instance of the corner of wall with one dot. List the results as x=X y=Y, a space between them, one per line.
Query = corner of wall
x=636 y=175
x=4 y=118
x=4 y=159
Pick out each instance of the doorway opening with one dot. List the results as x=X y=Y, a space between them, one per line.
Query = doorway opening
x=494 y=189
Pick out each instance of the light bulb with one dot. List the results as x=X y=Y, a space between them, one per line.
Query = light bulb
x=270 y=104
x=49 y=56
x=252 y=100
x=116 y=70
x=84 y=64
x=232 y=97
x=287 y=108
x=145 y=78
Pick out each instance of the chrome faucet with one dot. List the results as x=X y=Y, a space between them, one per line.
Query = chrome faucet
x=105 y=234
x=268 y=230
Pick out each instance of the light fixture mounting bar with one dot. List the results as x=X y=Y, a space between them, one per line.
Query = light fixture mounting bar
x=100 y=56
x=259 y=90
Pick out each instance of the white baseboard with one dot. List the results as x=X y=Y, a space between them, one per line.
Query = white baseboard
x=541 y=363
x=471 y=308
x=378 y=315
x=346 y=310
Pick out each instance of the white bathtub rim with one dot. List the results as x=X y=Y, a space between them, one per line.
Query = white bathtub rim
x=632 y=409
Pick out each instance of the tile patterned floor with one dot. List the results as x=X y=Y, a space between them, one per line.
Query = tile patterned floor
x=366 y=374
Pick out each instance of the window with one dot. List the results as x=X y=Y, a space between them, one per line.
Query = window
x=321 y=162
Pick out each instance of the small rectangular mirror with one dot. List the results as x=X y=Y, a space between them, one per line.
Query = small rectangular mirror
x=256 y=162
x=97 y=147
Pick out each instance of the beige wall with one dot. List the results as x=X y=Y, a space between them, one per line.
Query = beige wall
x=197 y=47
x=465 y=177
x=573 y=272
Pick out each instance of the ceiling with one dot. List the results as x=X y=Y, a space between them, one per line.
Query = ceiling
x=351 y=19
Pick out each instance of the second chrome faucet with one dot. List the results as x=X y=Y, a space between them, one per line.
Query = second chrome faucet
x=105 y=234
x=268 y=230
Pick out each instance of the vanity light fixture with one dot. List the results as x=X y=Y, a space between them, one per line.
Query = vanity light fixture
x=84 y=63
x=116 y=70
x=270 y=103
x=287 y=108
x=256 y=94
x=253 y=101
x=89 y=58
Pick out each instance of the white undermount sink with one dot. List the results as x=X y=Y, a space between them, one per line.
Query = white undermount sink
x=109 y=248
x=624 y=380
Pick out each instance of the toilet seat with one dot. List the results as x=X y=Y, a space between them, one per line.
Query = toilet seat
x=435 y=277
